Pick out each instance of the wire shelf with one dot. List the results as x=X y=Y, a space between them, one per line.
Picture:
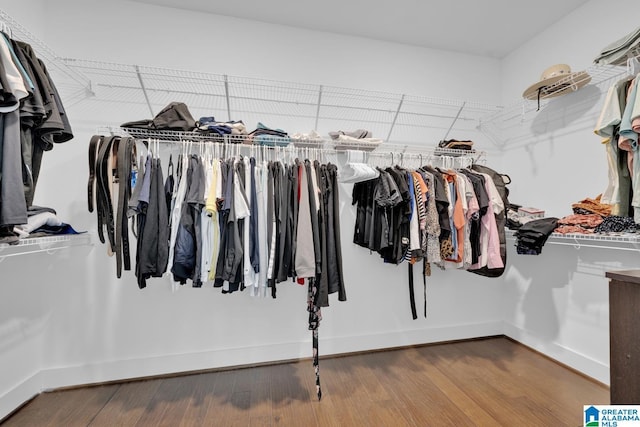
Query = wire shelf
x=616 y=241
x=286 y=105
x=48 y=244
x=318 y=143
x=513 y=116
x=72 y=84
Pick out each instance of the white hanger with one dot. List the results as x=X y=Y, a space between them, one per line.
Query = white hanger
x=4 y=27
x=356 y=170
x=633 y=66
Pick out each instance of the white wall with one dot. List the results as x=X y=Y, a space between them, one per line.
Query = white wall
x=24 y=313
x=69 y=321
x=558 y=303
x=92 y=327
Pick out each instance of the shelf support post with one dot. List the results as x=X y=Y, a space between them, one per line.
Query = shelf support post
x=144 y=90
x=226 y=95
x=318 y=107
x=455 y=119
x=395 y=117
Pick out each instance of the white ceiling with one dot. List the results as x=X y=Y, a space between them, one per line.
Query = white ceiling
x=491 y=28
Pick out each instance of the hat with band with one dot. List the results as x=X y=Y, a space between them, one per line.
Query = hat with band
x=555 y=81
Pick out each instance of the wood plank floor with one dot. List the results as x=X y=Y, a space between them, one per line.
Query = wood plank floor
x=488 y=382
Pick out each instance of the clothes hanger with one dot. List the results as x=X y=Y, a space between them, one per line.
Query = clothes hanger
x=355 y=169
x=5 y=28
x=633 y=66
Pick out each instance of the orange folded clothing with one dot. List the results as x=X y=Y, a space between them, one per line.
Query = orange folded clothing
x=592 y=206
x=587 y=221
x=566 y=229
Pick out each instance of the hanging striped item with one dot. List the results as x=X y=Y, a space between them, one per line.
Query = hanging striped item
x=314 y=322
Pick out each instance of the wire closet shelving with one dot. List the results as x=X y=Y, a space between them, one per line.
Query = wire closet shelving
x=72 y=84
x=47 y=244
x=497 y=124
x=141 y=91
x=615 y=241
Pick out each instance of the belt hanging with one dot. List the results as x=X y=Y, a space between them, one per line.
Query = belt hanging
x=104 y=205
x=412 y=295
x=426 y=272
x=94 y=144
x=126 y=156
x=314 y=323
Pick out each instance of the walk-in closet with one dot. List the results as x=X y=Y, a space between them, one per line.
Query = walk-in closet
x=318 y=214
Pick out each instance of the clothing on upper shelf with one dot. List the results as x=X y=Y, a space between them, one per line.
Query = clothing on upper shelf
x=582 y=220
x=578 y=223
x=617 y=52
x=358 y=139
x=573 y=229
x=43 y=221
x=32 y=120
x=455 y=144
x=356 y=134
x=175 y=116
x=263 y=135
x=532 y=236
x=589 y=206
x=617 y=224
x=210 y=125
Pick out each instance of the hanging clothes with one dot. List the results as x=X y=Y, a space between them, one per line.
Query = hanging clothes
x=32 y=119
x=186 y=259
x=450 y=218
x=153 y=228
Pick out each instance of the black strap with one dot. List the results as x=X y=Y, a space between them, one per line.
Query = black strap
x=126 y=157
x=539 y=92
x=104 y=205
x=93 y=153
x=412 y=295
x=314 y=323
x=424 y=288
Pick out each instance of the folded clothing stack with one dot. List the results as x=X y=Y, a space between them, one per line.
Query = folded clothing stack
x=41 y=222
x=592 y=206
x=307 y=140
x=616 y=53
x=359 y=139
x=532 y=236
x=263 y=135
x=209 y=125
x=578 y=223
x=174 y=117
x=617 y=224
x=455 y=144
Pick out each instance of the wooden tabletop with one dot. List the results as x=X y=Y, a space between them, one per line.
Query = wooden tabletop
x=631 y=276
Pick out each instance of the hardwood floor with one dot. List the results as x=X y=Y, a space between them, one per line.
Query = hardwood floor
x=488 y=382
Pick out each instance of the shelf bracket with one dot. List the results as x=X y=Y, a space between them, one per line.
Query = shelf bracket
x=395 y=117
x=226 y=95
x=144 y=90
x=318 y=107
x=455 y=119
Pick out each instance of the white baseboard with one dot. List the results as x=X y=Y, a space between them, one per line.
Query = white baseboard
x=341 y=345
x=584 y=364
x=79 y=375
x=20 y=394
x=53 y=378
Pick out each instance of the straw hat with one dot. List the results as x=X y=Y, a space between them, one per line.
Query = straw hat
x=555 y=81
